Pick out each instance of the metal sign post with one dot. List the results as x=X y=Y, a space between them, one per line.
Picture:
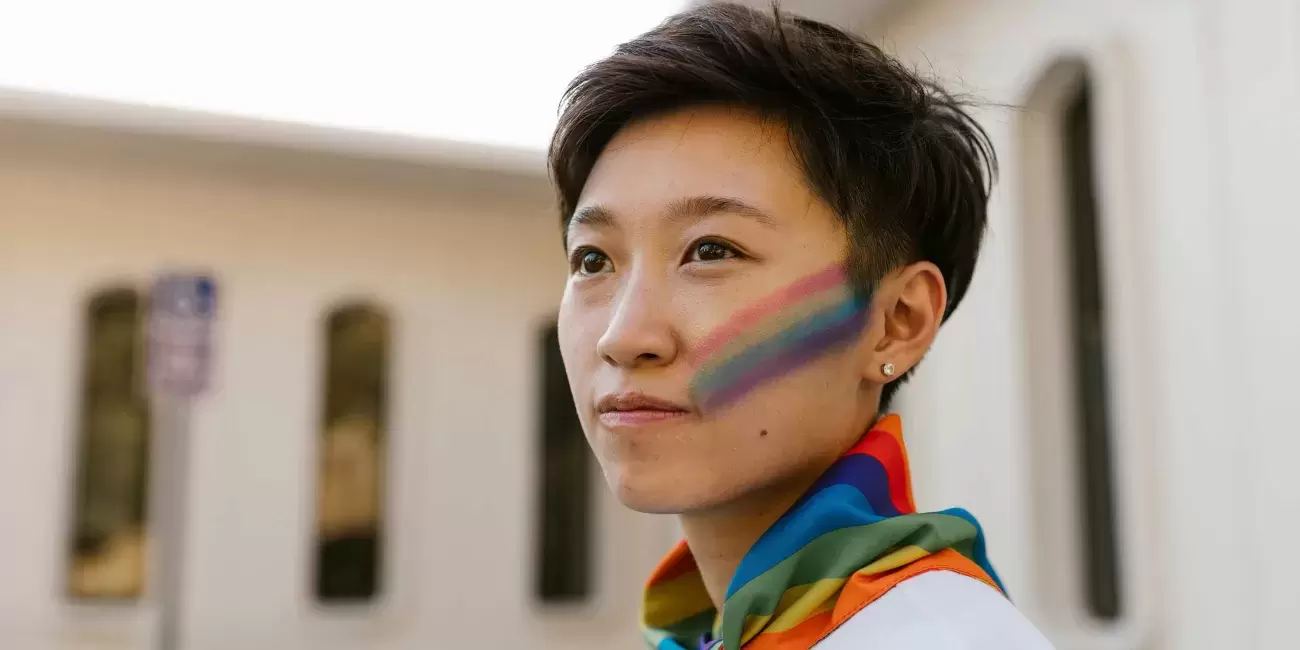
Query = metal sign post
x=182 y=308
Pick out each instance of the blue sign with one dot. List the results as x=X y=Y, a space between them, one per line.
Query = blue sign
x=182 y=308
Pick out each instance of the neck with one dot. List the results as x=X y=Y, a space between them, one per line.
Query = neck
x=720 y=537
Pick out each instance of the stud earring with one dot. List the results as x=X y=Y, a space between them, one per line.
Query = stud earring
x=887 y=370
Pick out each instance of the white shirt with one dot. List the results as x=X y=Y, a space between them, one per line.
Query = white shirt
x=938 y=610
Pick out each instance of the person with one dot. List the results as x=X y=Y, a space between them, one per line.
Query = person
x=767 y=219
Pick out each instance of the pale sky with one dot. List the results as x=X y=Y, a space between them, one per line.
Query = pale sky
x=475 y=70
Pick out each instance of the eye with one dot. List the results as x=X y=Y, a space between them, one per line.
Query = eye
x=711 y=250
x=588 y=261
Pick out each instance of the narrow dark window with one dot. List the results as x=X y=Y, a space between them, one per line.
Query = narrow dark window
x=352 y=461
x=1088 y=341
x=563 y=568
x=109 y=516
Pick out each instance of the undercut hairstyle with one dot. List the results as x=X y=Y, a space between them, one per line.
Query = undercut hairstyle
x=897 y=157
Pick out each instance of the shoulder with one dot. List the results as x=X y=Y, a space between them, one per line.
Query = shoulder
x=938 y=610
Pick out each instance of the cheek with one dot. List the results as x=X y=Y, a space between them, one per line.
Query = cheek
x=569 y=341
x=579 y=327
x=821 y=396
x=785 y=428
x=578 y=331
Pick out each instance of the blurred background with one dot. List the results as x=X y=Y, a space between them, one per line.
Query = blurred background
x=379 y=449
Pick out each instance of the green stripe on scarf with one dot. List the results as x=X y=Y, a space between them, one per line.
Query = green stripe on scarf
x=840 y=554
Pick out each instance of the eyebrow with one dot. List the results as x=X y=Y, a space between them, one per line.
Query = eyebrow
x=690 y=208
x=694 y=208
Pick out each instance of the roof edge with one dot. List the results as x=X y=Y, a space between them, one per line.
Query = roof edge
x=53 y=108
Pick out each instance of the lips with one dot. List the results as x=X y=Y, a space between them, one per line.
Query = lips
x=630 y=410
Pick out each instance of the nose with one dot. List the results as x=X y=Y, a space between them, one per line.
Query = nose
x=640 y=332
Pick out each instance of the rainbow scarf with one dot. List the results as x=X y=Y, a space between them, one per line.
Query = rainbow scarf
x=853 y=536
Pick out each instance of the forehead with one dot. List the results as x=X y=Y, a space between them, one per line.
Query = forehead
x=698 y=151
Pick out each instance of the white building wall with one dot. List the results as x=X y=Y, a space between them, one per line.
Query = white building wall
x=1256 y=86
x=1197 y=152
x=469 y=266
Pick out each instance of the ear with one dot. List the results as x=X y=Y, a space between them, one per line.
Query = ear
x=905 y=316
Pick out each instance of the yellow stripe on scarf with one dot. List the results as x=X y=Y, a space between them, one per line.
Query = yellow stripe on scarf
x=674 y=600
x=903 y=556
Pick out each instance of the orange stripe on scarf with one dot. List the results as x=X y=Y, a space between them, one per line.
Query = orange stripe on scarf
x=859 y=592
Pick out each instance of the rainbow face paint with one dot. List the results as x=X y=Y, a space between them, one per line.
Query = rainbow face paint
x=787 y=330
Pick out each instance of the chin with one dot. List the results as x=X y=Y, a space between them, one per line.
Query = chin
x=660 y=491
x=649 y=503
x=643 y=489
x=649 y=497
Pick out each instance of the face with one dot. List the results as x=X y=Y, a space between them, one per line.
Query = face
x=696 y=246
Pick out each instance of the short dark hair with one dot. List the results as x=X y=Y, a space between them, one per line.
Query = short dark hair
x=895 y=155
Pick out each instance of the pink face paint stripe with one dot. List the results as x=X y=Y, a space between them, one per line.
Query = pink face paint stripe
x=788 y=361
x=772 y=327
x=745 y=319
x=723 y=370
